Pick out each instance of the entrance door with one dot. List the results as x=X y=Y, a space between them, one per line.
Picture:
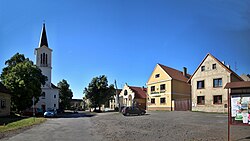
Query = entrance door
x=43 y=108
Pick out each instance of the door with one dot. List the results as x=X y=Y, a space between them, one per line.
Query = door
x=182 y=105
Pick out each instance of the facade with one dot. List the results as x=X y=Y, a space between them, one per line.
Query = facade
x=112 y=101
x=133 y=96
x=208 y=81
x=50 y=93
x=165 y=86
x=5 y=99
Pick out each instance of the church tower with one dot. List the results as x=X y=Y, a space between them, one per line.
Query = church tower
x=43 y=56
x=49 y=98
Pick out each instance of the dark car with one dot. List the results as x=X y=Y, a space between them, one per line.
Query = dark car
x=132 y=111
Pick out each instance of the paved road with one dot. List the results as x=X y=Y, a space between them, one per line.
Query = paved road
x=75 y=127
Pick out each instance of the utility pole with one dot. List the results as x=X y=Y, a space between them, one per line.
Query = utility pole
x=117 y=101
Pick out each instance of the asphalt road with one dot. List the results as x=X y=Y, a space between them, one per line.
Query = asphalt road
x=75 y=127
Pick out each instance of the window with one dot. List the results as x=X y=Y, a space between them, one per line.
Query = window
x=163 y=100
x=200 y=84
x=43 y=95
x=218 y=99
x=217 y=82
x=43 y=58
x=54 y=105
x=162 y=87
x=202 y=68
x=214 y=66
x=54 y=96
x=3 y=103
x=152 y=101
x=46 y=59
x=152 y=89
x=201 y=100
x=157 y=75
x=125 y=92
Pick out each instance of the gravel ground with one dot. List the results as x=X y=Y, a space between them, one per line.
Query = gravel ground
x=167 y=126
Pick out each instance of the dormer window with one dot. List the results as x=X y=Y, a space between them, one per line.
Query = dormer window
x=157 y=75
x=214 y=66
x=202 y=68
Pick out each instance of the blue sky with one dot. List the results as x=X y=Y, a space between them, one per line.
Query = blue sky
x=125 y=39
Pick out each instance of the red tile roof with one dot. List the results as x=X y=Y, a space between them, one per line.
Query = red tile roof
x=139 y=92
x=239 y=84
x=175 y=74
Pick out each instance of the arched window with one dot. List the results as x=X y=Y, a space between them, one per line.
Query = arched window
x=43 y=58
x=125 y=92
x=46 y=59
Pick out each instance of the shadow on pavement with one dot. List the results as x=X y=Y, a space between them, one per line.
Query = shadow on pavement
x=75 y=115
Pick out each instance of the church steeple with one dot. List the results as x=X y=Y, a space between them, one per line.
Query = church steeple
x=43 y=38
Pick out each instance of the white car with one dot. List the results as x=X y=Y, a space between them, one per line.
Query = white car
x=50 y=113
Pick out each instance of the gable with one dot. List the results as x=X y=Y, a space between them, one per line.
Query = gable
x=160 y=72
x=207 y=63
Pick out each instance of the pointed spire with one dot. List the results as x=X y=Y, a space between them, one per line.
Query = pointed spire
x=43 y=38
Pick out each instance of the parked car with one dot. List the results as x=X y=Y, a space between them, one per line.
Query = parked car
x=50 y=113
x=132 y=111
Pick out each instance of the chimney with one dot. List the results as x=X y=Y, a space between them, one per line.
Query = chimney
x=184 y=71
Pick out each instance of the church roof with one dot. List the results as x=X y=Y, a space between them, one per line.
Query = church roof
x=54 y=86
x=43 y=38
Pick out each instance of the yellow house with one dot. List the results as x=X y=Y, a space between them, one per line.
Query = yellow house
x=168 y=89
x=5 y=98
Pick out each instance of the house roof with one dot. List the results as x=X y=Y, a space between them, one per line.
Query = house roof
x=239 y=84
x=3 y=89
x=218 y=61
x=175 y=74
x=43 y=38
x=139 y=92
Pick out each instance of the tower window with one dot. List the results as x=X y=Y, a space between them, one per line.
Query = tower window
x=43 y=58
x=46 y=59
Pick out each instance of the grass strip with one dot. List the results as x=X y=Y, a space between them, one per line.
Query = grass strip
x=21 y=124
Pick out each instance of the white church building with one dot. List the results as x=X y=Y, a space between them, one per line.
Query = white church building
x=50 y=93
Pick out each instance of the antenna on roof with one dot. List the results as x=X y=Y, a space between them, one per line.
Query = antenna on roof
x=235 y=66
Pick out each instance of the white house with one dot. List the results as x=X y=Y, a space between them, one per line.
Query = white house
x=50 y=93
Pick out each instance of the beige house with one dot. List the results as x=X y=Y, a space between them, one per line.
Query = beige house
x=166 y=86
x=245 y=77
x=77 y=104
x=112 y=101
x=208 y=81
x=5 y=99
x=133 y=96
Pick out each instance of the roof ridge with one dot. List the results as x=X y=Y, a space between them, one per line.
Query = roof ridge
x=173 y=69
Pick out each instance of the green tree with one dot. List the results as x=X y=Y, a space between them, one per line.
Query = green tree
x=65 y=94
x=98 y=91
x=24 y=80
